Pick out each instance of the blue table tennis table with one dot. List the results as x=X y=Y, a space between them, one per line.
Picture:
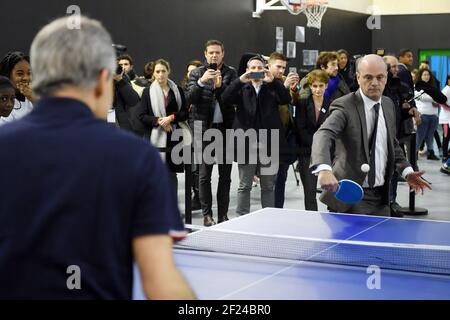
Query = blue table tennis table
x=215 y=274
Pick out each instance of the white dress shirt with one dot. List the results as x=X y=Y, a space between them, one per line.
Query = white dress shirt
x=257 y=88
x=381 y=146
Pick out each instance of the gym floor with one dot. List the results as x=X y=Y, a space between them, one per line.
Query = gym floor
x=437 y=201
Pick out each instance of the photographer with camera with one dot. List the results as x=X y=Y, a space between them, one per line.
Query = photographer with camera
x=125 y=97
x=257 y=96
x=203 y=92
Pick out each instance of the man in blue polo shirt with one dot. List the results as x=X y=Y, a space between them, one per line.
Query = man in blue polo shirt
x=82 y=199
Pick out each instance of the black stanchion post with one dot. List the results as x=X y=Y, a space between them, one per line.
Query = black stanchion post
x=412 y=210
x=188 y=188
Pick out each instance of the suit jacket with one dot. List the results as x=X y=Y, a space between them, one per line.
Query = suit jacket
x=203 y=99
x=125 y=98
x=306 y=124
x=405 y=76
x=346 y=125
x=262 y=107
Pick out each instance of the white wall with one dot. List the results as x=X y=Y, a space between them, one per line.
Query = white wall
x=390 y=7
x=351 y=5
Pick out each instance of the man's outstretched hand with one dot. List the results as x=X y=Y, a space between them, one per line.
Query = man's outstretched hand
x=416 y=182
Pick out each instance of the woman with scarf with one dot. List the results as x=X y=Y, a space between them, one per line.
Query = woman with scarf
x=16 y=67
x=163 y=109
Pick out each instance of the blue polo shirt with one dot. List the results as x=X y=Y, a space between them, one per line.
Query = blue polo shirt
x=75 y=191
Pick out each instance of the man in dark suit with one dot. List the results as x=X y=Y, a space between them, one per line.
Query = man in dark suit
x=257 y=96
x=362 y=124
x=405 y=61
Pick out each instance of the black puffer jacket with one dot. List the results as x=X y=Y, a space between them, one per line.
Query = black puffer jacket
x=202 y=98
x=431 y=90
x=399 y=92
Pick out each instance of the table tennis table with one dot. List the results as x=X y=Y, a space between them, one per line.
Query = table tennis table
x=336 y=259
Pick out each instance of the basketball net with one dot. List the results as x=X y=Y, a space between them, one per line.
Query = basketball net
x=314 y=11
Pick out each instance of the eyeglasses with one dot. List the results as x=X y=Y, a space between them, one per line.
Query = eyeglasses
x=370 y=78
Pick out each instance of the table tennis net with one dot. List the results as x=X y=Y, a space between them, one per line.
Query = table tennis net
x=406 y=257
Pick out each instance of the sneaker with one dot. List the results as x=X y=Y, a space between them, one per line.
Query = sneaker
x=208 y=221
x=445 y=169
x=432 y=157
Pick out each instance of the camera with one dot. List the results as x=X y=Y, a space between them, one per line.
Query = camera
x=380 y=52
x=120 y=49
x=257 y=75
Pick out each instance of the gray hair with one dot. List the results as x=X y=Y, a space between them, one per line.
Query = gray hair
x=61 y=56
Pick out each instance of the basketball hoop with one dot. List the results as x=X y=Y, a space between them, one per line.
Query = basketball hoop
x=314 y=11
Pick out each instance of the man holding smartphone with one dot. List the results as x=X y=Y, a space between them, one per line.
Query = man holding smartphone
x=257 y=95
x=277 y=66
x=204 y=91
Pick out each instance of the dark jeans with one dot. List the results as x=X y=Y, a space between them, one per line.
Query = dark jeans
x=174 y=180
x=280 y=184
x=195 y=181
x=309 y=182
x=223 y=188
x=425 y=131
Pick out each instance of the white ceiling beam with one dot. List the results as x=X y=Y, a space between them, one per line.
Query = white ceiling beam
x=264 y=5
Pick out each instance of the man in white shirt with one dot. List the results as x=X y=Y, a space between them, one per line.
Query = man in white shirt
x=257 y=96
x=362 y=124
